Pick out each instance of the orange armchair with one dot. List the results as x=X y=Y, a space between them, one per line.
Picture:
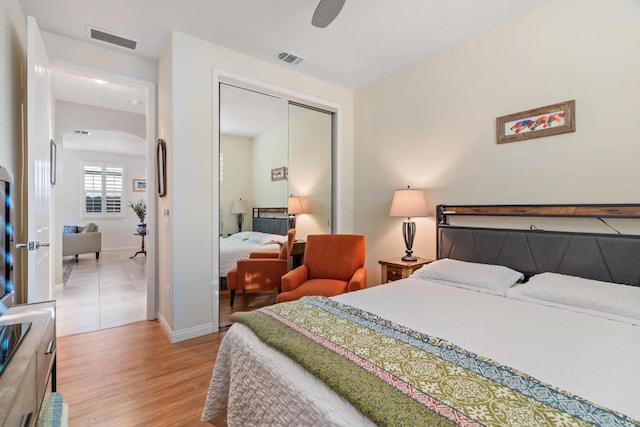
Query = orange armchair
x=262 y=271
x=333 y=264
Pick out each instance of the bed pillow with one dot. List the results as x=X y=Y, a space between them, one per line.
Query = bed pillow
x=603 y=299
x=491 y=279
x=263 y=239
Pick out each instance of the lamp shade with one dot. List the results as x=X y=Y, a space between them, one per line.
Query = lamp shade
x=408 y=203
x=294 y=205
x=239 y=207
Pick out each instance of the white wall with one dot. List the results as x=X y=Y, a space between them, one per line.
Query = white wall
x=432 y=125
x=63 y=50
x=188 y=100
x=269 y=152
x=13 y=46
x=117 y=233
x=237 y=180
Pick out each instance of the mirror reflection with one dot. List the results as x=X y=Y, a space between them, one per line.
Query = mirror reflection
x=272 y=152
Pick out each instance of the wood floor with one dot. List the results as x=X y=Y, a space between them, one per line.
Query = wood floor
x=132 y=376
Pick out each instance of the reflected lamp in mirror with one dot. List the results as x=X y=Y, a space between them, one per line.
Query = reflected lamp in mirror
x=294 y=206
x=240 y=207
x=408 y=203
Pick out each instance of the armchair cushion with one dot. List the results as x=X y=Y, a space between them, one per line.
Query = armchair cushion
x=323 y=287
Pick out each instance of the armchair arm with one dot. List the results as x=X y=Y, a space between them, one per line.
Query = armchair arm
x=295 y=278
x=358 y=280
x=263 y=255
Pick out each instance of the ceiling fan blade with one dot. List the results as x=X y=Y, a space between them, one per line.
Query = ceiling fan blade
x=326 y=12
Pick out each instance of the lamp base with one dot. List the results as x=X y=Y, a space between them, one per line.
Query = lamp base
x=409 y=258
x=240 y=222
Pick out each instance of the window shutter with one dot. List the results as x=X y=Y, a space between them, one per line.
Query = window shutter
x=103 y=189
x=93 y=189
x=113 y=189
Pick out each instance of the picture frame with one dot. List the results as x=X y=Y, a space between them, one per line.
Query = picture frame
x=53 y=160
x=139 y=184
x=536 y=123
x=279 y=174
x=161 y=167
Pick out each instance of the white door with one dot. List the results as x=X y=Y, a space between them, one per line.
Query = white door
x=38 y=165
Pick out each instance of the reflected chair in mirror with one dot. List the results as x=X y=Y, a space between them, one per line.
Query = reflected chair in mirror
x=333 y=264
x=262 y=271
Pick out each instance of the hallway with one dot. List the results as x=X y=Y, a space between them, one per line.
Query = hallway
x=101 y=293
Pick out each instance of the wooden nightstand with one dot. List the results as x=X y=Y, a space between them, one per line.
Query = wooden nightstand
x=297 y=252
x=395 y=268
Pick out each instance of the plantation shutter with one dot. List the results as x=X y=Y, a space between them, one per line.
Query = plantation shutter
x=103 y=189
x=113 y=189
x=93 y=189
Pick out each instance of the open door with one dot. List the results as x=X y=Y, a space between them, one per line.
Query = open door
x=39 y=154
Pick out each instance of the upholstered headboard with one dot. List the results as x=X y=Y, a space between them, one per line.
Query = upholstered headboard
x=606 y=257
x=270 y=220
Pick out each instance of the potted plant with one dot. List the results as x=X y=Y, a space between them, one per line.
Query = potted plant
x=140 y=208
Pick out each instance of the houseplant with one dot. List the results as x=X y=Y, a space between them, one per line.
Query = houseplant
x=140 y=209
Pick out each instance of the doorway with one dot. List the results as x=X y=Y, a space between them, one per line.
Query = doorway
x=106 y=124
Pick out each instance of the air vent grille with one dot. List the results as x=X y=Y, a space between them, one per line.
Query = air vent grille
x=113 y=39
x=289 y=58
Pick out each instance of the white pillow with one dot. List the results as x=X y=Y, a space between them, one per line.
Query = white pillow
x=243 y=235
x=603 y=299
x=492 y=279
x=262 y=239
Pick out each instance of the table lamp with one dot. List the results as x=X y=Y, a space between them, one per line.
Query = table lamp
x=240 y=207
x=409 y=203
x=294 y=206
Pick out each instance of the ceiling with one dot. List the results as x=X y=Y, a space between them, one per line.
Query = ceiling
x=368 y=40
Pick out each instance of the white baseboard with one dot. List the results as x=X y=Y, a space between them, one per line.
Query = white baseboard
x=185 y=334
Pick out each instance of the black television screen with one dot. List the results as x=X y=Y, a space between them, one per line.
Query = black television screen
x=6 y=240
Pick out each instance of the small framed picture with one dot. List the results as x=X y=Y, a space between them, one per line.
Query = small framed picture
x=279 y=174
x=139 y=185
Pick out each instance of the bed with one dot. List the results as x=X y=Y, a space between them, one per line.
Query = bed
x=455 y=344
x=269 y=232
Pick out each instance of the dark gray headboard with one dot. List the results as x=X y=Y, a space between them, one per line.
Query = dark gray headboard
x=606 y=257
x=270 y=220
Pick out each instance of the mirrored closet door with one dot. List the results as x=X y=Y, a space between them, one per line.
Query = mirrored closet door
x=270 y=149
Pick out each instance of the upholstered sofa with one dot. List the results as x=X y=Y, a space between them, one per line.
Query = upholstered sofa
x=86 y=239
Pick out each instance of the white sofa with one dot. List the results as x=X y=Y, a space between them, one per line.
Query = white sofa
x=88 y=239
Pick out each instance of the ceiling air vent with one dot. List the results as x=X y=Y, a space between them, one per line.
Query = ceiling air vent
x=289 y=58
x=110 y=38
x=81 y=132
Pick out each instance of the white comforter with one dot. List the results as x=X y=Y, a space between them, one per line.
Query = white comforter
x=591 y=357
x=232 y=249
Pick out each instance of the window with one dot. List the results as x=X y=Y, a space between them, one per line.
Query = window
x=103 y=189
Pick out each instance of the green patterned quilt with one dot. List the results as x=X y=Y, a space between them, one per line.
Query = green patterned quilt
x=397 y=376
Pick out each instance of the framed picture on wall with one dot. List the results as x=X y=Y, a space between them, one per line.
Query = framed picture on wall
x=279 y=174
x=544 y=121
x=139 y=185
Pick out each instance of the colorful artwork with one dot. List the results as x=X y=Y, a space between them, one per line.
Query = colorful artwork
x=530 y=124
x=544 y=121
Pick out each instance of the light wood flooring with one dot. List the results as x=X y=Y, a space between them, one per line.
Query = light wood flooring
x=133 y=376
x=243 y=302
x=101 y=293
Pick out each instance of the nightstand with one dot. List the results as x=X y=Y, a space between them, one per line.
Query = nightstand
x=395 y=268
x=297 y=252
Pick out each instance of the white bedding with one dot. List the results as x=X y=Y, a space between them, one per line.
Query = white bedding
x=592 y=357
x=232 y=249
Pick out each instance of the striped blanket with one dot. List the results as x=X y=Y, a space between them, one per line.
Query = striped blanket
x=398 y=376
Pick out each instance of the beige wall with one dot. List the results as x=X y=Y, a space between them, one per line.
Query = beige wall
x=13 y=62
x=188 y=115
x=432 y=125
x=270 y=152
x=237 y=180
